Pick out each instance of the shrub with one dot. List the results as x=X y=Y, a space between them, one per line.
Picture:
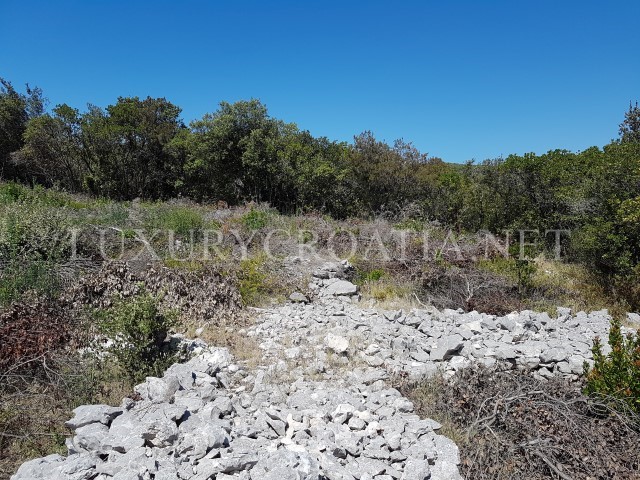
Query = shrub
x=509 y=425
x=18 y=278
x=11 y=192
x=618 y=373
x=525 y=269
x=34 y=232
x=30 y=334
x=262 y=279
x=370 y=276
x=181 y=220
x=410 y=224
x=34 y=240
x=253 y=280
x=111 y=214
x=138 y=329
x=255 y=219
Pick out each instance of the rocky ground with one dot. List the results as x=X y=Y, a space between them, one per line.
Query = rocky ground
x=319 y=405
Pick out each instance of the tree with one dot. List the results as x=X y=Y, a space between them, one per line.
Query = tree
x=15 y=111
x=235 y=154
x=385 y=176
x=322 y=175
x=129 y=148
x=630 y=127
x=53 y=152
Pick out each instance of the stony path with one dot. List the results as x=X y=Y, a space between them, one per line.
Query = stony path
x=319 y=405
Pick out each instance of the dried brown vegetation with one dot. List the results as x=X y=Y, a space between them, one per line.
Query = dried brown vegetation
x=512 y=426
x=199 y=296
x=31 y=333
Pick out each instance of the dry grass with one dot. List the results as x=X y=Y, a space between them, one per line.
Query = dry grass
x=426 y=396
x=33 y=408
x=390 y=294
x=510 y=426
x=574 y=286
x=234 y=337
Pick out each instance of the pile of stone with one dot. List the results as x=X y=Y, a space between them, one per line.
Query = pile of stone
x=319 y=406
x=210 y=419
x=329 y=281
x=422 y=342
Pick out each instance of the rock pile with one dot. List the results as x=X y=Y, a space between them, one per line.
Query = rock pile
x=423 y=341
x=208 y=419
x=319 y=406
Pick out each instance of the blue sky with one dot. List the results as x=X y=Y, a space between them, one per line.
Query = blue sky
x=460 y=79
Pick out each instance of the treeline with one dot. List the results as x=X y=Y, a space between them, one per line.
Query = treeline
x=141 y=148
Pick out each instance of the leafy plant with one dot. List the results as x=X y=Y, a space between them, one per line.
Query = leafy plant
x=410 y=224
x=618 y=373
x=370 y=276
x=525 y=270
x=255 y=219
x=181 y=220
x=257 y=281
x=137 y=330
x=17 y=278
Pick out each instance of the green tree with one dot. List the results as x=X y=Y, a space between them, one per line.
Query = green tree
x=53 y=152
x=239 y=154
x=129 y=148
x=323 y=177
x=630 y=127
x=384 y=175
x=15 y=111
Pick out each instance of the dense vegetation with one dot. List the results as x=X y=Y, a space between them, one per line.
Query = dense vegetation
x=141 y=148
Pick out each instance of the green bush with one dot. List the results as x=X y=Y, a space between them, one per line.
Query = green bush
x=259 y=280
x=181 y=220
x=618 y=373
x=12 y=192
x=17 y=278
x=112 y=214
x=255 y=219
x=138 y=330
x=525 y=270
x=34 y=232
x=410 y=224
x=370 y=276
x=34 y=239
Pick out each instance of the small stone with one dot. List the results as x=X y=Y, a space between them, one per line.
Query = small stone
x=415 y=469
x=87 y=414
x=297 y=297
x=336 y=343
x=447 y=347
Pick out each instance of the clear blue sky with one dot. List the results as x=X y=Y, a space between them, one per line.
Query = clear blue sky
x=460 y=79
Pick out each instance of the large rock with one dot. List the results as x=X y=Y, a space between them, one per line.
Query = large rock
x=46 y=468
x=416 y=469
x=553 y=355
x=447 y=347
x=298 y=297
x=87 y=414
x=341 y=287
